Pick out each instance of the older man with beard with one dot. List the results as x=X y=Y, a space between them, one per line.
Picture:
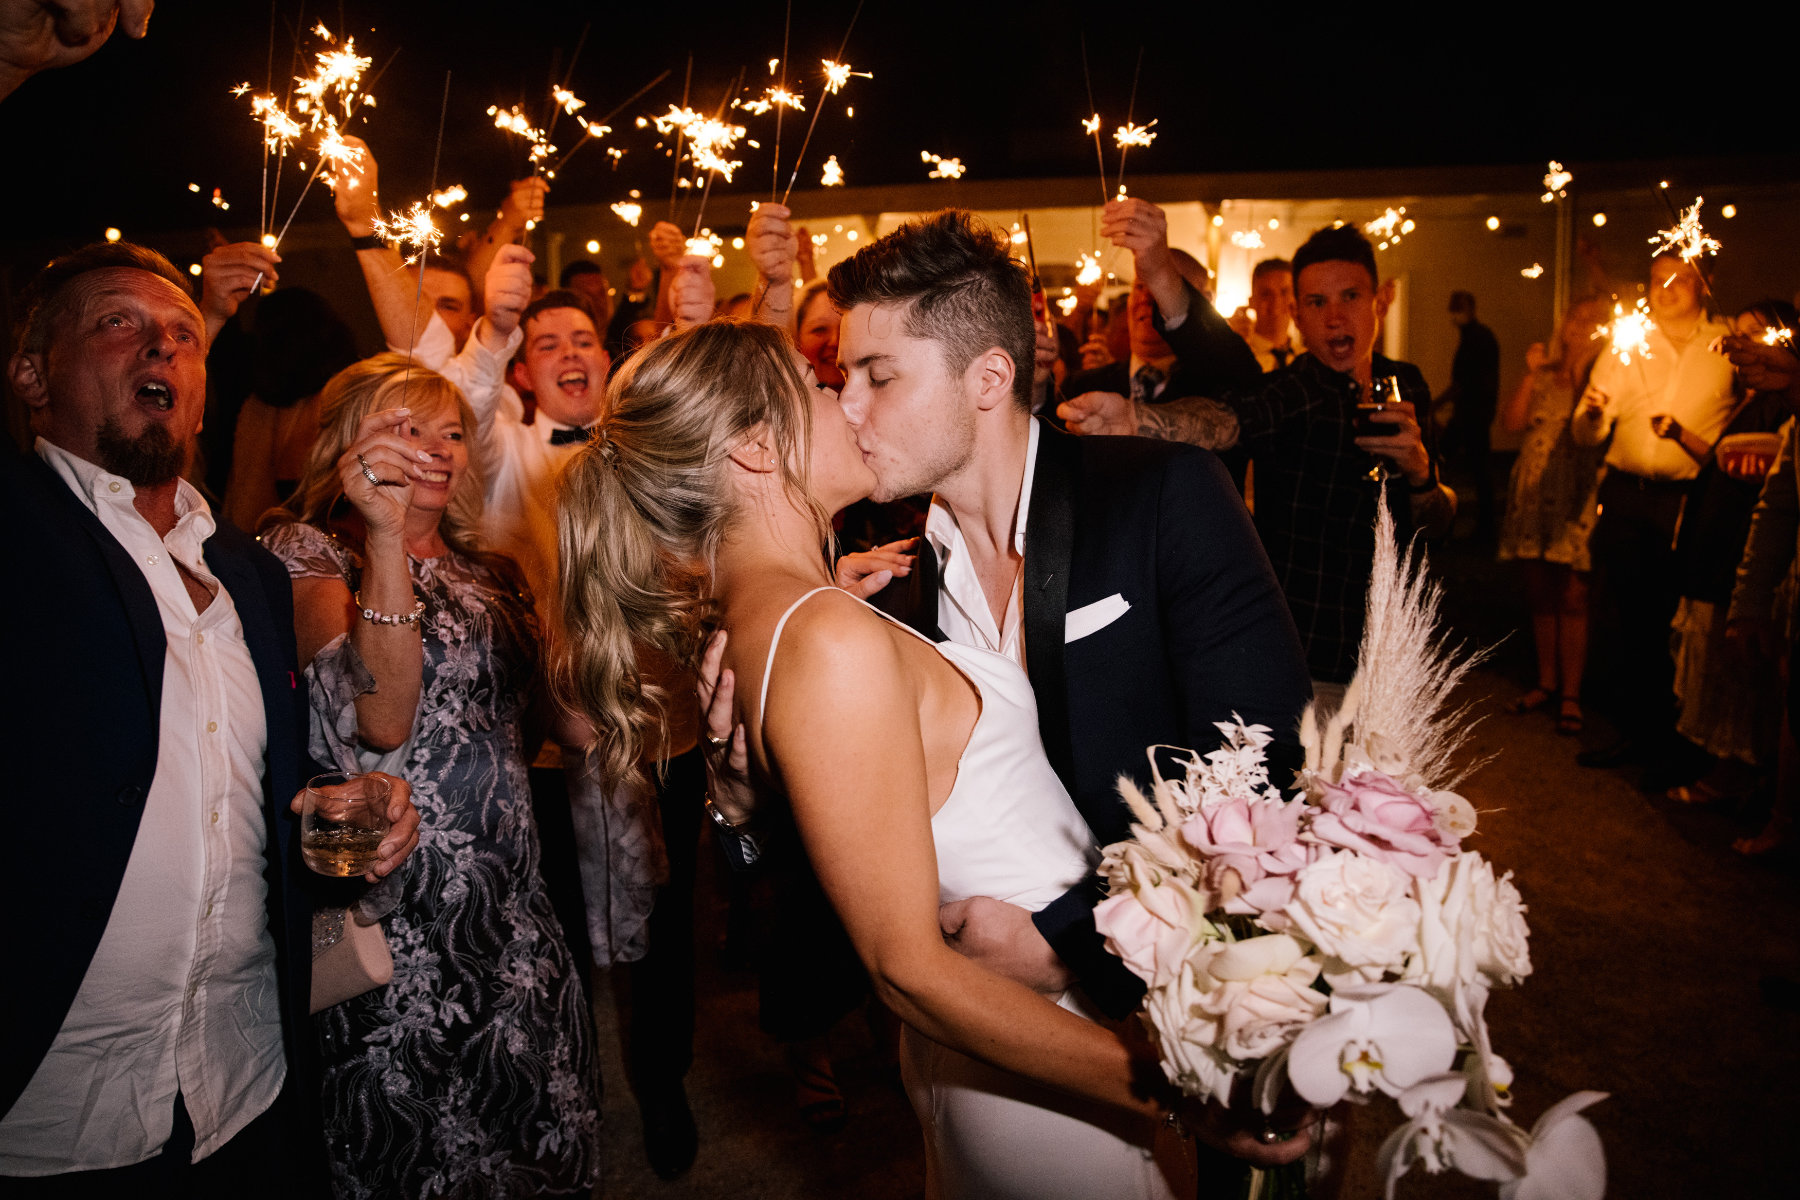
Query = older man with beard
x=161 y=1045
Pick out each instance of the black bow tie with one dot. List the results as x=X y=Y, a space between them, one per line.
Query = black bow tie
x=564 y=437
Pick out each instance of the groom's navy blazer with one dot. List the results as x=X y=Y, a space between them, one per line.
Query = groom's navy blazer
x=84 y=653
x=1207 y=634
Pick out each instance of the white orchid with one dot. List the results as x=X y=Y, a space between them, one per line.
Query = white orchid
x=1565 y=1160
x=1441 y=1135
x=1383 y=1036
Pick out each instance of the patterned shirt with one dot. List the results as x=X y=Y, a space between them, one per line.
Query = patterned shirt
x=1315 y=505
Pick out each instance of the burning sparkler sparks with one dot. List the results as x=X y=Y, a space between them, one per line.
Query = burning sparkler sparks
x=1556 y=183
x=456 y=193
x=1087 y=271
x=1687 y=238
x=412 y=230
x=1247 y=239
x=628 y=212
x=838 y=74
x=1628 y=333
x=707 y=244
x=1091 y=125
x=834 y=174
x=1390 y=227
x=1129 y=134
x=1534 y=271
x=568 y=101
x=514 y=121
x=942 y=168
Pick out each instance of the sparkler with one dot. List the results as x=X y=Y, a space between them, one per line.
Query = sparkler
x=1037 y=283
x=833 y=175
x=1130 y=134
x=593 y=130
x=837 y=73
x=1247 y=239
x=514 y=121
x=1087 y=270
x=1628 y=333
x=1556 y=183
x=1534 y=271
x=628 y=212
x=1687 y=238
x=456 y=193
x=942 y=168
x=1091 y=126
x=1390 y=227
x=412 y=229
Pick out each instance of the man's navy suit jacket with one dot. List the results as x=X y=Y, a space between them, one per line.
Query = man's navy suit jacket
x=84 y=657
x=1208 y=634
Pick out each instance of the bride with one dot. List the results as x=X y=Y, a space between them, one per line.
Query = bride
x=914 y=770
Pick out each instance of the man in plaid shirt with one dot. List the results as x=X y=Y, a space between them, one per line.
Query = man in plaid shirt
x=1315 y=500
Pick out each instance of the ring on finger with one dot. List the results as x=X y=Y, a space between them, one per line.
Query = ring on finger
x=717 y=743
x=368 y=471
x=1269 y=1136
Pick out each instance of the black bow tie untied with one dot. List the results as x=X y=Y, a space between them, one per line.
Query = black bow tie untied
x=565 y=437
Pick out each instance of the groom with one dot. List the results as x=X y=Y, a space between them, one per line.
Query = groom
x=1123 y=574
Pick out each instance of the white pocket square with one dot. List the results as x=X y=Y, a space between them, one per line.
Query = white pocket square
x=1091 y=618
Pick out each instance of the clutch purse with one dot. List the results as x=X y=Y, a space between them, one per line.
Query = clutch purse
x=349 y=958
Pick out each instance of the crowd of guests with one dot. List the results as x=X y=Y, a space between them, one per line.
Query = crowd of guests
x=530 y=685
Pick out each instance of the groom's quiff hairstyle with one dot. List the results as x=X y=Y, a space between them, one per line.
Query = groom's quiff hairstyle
x=960 y=285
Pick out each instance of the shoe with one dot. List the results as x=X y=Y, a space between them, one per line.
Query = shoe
x=1618 y=754
x=816 y=1092
x=1531 y=701
x=1568 y=716
x=671 y=1139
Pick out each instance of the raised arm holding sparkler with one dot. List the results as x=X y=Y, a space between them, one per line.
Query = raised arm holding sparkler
x=401 y=307
x=775 y=249
x=522 y=209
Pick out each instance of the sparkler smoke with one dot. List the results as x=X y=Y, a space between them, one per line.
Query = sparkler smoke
x=942 y=168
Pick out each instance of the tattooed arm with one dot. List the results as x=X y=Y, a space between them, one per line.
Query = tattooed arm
x=1197 y=420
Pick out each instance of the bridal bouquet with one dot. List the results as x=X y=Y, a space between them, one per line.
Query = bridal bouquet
x=1342 y=940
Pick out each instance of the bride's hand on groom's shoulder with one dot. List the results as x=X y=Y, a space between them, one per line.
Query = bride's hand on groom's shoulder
x=1001 y=938
x=868 y=571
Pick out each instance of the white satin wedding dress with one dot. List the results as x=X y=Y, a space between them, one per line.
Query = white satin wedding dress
x=1009 y=830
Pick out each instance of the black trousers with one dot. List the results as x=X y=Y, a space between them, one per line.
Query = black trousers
x=1637 y=589
x=279 y=1155
x=658 y=989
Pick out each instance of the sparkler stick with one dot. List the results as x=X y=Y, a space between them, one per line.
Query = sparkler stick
x=775 y=168
x=705 y=149
x=1037 y=282
x=430 y=233
x=1687 y=239
x=588 y=133
x=833 y=82
x=1130 y=135
x=1092 y=124
x=557 y=103
x=675 y=176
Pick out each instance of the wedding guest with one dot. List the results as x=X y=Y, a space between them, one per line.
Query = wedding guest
x=1271 y=335
x=159 y=1049
x=1729 y=705
x=1472 y=396
x=1647 y=481
x=473 y=1071
x=586 y=279
x=1550 y=511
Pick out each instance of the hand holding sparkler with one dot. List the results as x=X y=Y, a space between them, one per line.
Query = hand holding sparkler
x=1096 y=414
x=229 y=275
x=522 y=209
x=505 y=294
x=774 y=248
x=1763 y=365
x=1143 y=228
x=353 y=190
x=691 y=295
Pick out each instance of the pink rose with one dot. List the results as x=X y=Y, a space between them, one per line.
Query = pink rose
x=1372 y=815
x=1151 y=929
x=1254 y=838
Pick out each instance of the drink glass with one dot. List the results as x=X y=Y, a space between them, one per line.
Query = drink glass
x=342 y=821
x=1383 y=395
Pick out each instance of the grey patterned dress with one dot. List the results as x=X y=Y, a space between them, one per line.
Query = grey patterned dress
x=472 y=1074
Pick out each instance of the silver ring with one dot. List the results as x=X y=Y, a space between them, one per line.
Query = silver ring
x=368 y=471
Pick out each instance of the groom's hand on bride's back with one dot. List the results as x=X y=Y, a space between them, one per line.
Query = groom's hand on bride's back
x=1001 y=938
x=867 y=572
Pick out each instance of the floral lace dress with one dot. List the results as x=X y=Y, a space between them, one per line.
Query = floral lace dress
x=472 y=1074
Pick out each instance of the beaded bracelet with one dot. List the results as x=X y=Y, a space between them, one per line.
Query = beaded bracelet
x=381 y=618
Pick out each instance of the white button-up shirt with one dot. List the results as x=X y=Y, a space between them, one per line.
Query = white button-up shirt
x=963 y=612
x=181 y=994
x=1691 y=382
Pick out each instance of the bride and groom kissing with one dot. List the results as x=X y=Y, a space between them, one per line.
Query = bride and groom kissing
x=951 y=803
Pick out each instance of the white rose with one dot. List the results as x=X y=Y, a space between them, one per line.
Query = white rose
x=1444 y=959
x=1265 y=995
x=1501 y=934
x=1187 y=1037
x=1358 y=911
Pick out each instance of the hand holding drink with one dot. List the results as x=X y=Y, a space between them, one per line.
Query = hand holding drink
x=343 y=819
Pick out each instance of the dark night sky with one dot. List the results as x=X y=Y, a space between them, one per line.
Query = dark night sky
x=117 y=139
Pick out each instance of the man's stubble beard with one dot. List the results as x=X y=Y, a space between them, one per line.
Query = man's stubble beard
x=150 y=459
x=926 y=476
